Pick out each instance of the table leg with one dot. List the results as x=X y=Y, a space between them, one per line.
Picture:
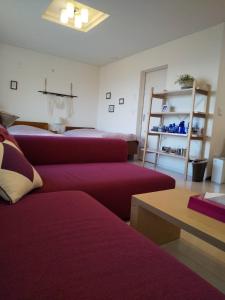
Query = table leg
x=155 y=228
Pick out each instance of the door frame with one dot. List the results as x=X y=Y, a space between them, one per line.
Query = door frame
x=141 y=97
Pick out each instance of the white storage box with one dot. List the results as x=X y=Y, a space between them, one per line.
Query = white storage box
x=218 y=171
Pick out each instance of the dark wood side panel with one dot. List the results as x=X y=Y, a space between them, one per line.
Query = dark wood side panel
x=41 y=125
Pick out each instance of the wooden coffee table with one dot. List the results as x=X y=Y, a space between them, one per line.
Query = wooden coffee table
x=161 y=215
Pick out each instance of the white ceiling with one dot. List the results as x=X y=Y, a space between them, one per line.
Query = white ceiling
x=133 y=26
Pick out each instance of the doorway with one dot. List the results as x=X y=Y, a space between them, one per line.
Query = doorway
x=152 y=78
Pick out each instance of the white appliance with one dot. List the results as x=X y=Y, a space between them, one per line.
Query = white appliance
x=218 y=171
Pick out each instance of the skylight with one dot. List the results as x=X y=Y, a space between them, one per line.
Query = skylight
x=74 y=14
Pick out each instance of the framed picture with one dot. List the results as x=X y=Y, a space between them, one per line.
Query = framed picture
x=121 y=101
x=111 y=108
x=13 y=85
x=108 y=95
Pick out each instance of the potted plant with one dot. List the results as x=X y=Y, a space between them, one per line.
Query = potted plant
x=185 y=81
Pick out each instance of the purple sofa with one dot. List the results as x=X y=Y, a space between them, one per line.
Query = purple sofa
x=66 y=245
x=98 y=167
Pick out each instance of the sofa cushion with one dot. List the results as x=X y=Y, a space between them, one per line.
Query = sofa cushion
x=7 y=119
x=112 y=184
x=17 y=175
x=46 y=150
x=5 y=135
x=67 y=246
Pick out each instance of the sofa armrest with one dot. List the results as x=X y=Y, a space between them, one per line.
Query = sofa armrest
x=42 y=150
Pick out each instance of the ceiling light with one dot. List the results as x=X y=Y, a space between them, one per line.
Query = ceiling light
x=70 y=10
x=64 y=16
x=74 y=14
x=84 y=15
x=77 y=21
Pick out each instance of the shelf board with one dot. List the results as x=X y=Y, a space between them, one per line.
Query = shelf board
x=199 y=114
x=193 y=137
x=159 y=114
x=170 y=154
x=57 y=94
x=195 y=114
x=166 y=133
x=166 y=94
x=197 y=137
x=166 y=154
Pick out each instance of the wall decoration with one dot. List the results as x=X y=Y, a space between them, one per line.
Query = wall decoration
x=13 y=85
x=111 y=108
x=108 y=95
x=121 y=101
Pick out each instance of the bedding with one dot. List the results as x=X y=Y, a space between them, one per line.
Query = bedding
x=28 y=130
x=84 y=132
x=35 y=128
x=95 y=133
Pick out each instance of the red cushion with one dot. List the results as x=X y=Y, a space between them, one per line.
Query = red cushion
x=67 y=246
x=112 y=184
x=42 y=150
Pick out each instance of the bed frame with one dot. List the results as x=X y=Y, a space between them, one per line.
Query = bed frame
x=40 y=125
x=132 y=145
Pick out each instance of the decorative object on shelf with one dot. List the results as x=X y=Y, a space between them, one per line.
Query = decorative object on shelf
x=155 y=128
x=172 y=128
x=176 y=151
x=164 y=108
x=196 y=130
x=13 y=85
x=111 y=108
x=58 y=94
x=121 y=101
x=185 y=81
x=172 y=108
x=108 y=95
x=182 y=128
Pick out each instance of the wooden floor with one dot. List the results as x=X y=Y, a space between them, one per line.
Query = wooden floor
x=204 y=259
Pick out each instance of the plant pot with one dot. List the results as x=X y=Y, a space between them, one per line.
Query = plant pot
x=186 y=84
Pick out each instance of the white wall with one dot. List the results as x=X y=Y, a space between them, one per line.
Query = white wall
x=197 y=54
x=218 y=147
x=30 y=69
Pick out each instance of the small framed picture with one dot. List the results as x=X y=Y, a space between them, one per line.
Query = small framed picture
x=108 y=95
x=121 y=101
x=13 y=85
x=111 y=108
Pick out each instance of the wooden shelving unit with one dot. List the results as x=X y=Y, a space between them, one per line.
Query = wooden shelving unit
x=165 y=95
x=194 y=90
x=195 y=114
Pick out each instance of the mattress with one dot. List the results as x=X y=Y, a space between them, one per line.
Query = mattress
x=28 y=130
x=95 y=133
x=91 y=133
